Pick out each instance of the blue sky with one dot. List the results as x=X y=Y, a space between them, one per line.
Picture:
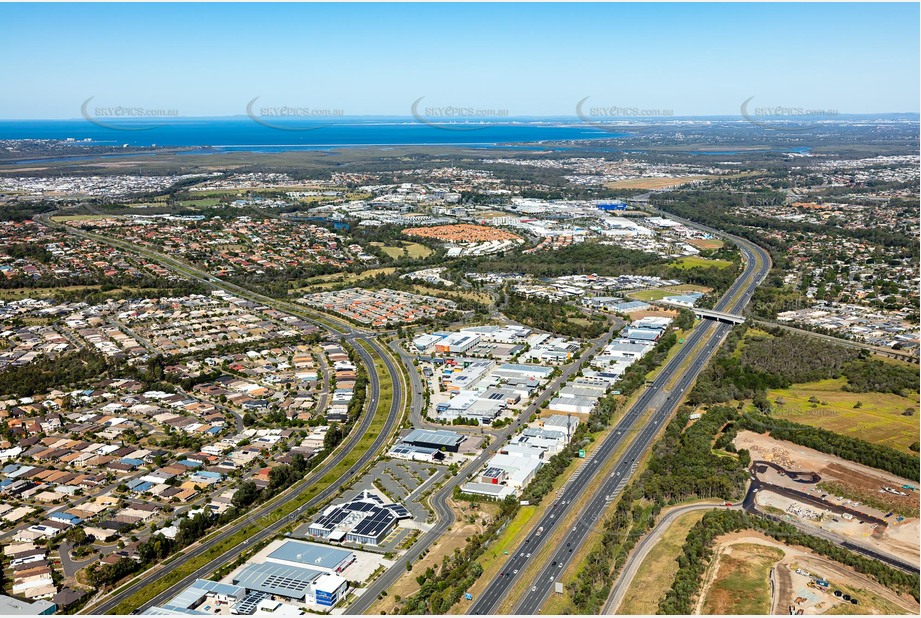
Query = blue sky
x=540 y=59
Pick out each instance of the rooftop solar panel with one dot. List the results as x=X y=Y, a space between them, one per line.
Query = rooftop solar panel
x=287 y=581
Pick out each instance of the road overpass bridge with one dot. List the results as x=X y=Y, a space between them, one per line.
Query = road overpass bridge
x=719 y=316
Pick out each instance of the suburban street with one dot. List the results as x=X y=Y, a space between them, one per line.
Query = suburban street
x=350 y=334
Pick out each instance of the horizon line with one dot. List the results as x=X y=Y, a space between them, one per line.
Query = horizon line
x=483 y=119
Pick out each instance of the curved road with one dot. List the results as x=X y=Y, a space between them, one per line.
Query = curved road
x=643 y=548
x=685 y=365
x=266 y=510
x=439 y=499
x=347 y=332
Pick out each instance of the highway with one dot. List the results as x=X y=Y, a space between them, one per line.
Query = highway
x=439 y=499
x=848 y=343
x=341 y=329
x=690 y=360
x=643 y=548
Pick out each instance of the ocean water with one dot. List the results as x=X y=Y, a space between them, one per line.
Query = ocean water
x=246 y=134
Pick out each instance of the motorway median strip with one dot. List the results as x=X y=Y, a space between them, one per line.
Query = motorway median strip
x=560 y=530
x=561 y=603
x=341 y=470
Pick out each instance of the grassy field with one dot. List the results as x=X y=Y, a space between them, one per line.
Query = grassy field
x=404 y=249
x=706 y=243
x=322 y=282
x=652 y=183
x=66 y=218
x=393 y=252
x=659 y=293
x=153 y=204
x=480 y=297
x=878 y=419
x=657 y=571
x=741 y=584
x=204 y=202
x=416 y=250
x=692 y=261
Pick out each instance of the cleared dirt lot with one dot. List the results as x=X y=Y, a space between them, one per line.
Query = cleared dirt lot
x=898 y=538
x=801 y=459
x=738 y=580
x=790 y=586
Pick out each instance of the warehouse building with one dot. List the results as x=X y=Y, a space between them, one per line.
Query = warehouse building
x=416 y=453
x=15 y=607
x=572 y=405
x=310 y=555
x=531 y=372
x=436 y=439
x=303 y=585
x=198 y=594
x=456 y=343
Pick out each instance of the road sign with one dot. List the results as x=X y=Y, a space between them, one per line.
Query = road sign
x=468 y=596
x=581 y=453
x=558 y=586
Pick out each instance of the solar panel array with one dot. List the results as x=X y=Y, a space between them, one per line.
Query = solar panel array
x=287 y=581
x=247 y=605
x=374 y=525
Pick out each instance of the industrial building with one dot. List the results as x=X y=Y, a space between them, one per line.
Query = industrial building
x=440 y=439
x=15 y=607
x=416 y=453
x=456 y=343
x=319 y=557
x=304 y=585
x=366 y=520
x=198 y=594
x=305 y=573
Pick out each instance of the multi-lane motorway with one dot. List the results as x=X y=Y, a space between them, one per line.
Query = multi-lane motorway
x=662 y=397
x=690 y=360
x=334 y=327
x=439 y=499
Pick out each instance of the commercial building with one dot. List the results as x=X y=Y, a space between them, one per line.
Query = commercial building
x=330 y=560
x=683 y=300
x=642 y=334
x=14 y=607
x=366 y=520
x=456 y=343
x=423 y=343
x=196 y=595
x=304 y=585
x=416 y=453
x=531 y=372
x=572 y=405
x=436 y=439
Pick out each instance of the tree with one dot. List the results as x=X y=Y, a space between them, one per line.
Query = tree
x=76 y=535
